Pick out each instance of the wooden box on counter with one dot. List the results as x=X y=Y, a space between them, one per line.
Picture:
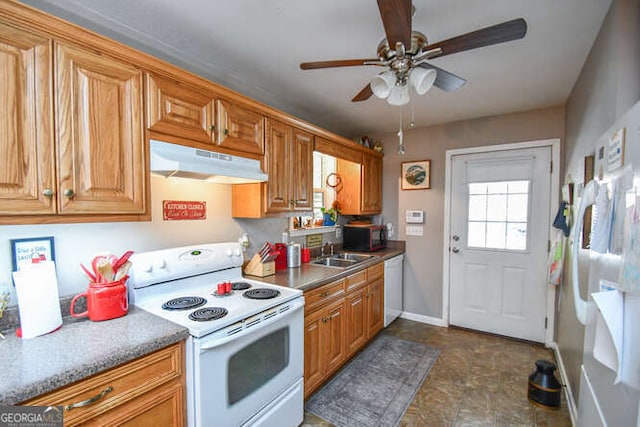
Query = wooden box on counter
x=257 y=268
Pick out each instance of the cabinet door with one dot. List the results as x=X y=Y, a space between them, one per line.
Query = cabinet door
x=179 y=110
x=334 y=325
x=302 y=170
x=356 y=324
x=240 y=129
x=278 y=160
x=313 y=351
x=26 y=139
x=371 y=197
x=101 y=161
x=375 y=307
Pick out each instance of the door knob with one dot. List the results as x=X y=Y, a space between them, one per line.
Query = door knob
x=455 y=250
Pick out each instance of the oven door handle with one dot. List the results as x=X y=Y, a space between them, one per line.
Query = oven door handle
x=296 y=306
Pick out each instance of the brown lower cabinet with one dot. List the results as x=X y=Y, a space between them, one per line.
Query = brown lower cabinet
x=149 y=391
x=340 y=318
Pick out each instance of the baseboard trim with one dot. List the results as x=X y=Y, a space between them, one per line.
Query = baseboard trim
x=573 y=408
x=434 y=321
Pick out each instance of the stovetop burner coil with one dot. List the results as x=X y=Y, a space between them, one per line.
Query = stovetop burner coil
x=208 y=313
x=184 y=303
x=261 y=293
x=240 y=286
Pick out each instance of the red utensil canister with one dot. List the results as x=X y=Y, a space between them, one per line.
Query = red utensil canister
x=305 y=255
x=281 y=259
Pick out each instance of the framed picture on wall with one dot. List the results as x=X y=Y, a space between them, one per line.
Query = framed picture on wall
x=416 y=175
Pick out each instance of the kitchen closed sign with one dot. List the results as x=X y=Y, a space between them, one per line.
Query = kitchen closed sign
x=175 y=210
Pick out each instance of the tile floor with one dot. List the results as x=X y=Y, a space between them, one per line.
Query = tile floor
x=478 y=380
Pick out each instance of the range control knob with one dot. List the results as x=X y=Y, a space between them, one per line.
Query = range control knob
x=237 y=252
x=160 y=263
x=148 y=268
x=229 y=253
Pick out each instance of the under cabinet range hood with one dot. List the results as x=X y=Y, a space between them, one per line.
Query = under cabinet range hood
x=173 y=160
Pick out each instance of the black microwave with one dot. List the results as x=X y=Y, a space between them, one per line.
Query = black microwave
x=364 y=238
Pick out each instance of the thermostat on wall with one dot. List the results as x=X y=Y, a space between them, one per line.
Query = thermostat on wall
x=414 y=217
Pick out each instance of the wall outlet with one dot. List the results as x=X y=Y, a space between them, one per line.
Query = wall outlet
x=415 y=230
x=338 y=232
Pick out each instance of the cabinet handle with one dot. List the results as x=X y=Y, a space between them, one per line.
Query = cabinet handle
x=90 y=400
x=324 y=294
x=225 y=132
x=47 y=192
x=69 y=193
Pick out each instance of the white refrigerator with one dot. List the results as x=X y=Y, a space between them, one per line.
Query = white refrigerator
x=610 y=374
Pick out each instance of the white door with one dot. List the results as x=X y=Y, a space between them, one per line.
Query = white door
x=499 y=241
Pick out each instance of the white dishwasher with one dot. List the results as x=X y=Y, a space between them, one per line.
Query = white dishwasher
x=392 y=288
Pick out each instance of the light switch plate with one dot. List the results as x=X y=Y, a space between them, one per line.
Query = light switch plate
x=415 y=230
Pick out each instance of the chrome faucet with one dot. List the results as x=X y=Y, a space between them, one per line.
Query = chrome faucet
x=330 y=245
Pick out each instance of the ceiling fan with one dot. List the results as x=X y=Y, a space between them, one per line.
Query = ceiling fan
x=405 y=54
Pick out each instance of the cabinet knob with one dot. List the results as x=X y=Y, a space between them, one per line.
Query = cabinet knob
x=325 y=319
x=324 y=294
x=213 y=128
x=47 y=192
x=69 y=193
x=225 y=132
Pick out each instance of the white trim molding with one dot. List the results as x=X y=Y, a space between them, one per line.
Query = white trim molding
x=568 y=392
x=434 y=321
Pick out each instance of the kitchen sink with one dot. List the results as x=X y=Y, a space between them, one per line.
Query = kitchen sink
x=342 y=260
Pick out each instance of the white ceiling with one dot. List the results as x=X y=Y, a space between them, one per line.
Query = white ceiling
x=255 y=47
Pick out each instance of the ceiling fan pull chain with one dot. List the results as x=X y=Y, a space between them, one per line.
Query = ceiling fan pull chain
x=401 y=149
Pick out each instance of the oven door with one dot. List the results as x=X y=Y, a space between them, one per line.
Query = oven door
x=235 y=373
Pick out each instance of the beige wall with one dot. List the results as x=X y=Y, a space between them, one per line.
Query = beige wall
x=608 y=86
x=423 y=265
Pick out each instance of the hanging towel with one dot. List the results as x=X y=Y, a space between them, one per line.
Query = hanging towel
x=561 y=218
x=555 y=262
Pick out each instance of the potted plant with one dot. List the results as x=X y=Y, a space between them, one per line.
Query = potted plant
x=330 y=215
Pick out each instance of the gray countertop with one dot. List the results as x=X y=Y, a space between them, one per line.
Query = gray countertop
x=309 y=276
x=79 y=349
x=82 y=348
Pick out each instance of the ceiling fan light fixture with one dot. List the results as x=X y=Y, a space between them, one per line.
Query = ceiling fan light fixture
x=399 y=95
x=383 y=83
x=422 y=79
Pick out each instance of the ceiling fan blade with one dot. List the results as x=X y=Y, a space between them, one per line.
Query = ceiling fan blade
x=336 y=63
x=445 y=80
x=396 y=18
x=500 y=33
x=363 y=95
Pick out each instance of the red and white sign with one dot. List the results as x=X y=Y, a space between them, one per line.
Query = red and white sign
x=174 y=210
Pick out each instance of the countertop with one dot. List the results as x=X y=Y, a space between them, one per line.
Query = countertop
x=82 y=348
x=309 y=276
x=79 y=349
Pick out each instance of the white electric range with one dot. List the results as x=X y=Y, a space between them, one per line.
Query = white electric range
x=245 y=352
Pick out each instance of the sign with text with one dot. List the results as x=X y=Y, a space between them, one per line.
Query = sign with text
x=175 y=210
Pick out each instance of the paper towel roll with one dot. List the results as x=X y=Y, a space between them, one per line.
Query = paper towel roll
x=38 y=301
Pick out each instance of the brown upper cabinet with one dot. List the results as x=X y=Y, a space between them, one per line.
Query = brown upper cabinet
x=361 y=192
x=240 y=128
x=289 y=164
x=27 y=165
x=194 y=112
x=180 y=109
x=94 y=163
x=99 y=113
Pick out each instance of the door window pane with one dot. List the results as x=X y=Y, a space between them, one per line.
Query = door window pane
x=477 y=207
x=498 y=215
